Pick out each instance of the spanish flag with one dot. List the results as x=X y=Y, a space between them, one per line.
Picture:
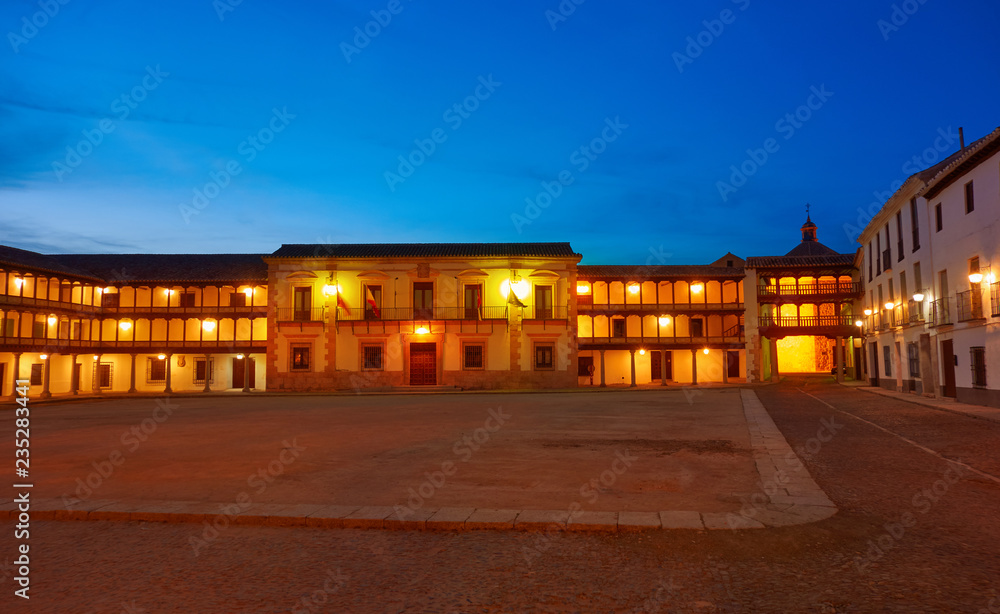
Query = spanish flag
x=371 y=302
x=343 y=303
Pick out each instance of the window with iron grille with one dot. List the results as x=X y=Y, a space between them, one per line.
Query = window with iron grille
x=887 y=360
x=156 y=370
x=978 y=355
x=102 y=375
x=913 y=356
x=203 y=368
x=544 y=357
x=474 y=356
x=995 y=299
x=371 y=357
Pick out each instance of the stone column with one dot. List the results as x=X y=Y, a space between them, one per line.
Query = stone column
x=167 y=389
x=46 y=372
x=73 y=383
x=694 y=367
x=97 y=380
x=131 y=376
x=663 y=366
x=208 y=373
x=246 y=373
x=17 y=368
x=775 y=375
x=632 y=358
x=838 y=358
x=603 y=385
x=725 y=366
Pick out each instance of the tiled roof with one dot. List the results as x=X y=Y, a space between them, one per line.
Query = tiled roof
x=425 y=250
x=638 y=271
x=811 y=248
x=835 y=259
x=945 y=173
x=133 y=268
x=22 y=258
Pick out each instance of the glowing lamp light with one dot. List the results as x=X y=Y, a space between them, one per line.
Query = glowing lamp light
x=859 y=323
x=918 y=297
x=633 y=289
x=583 y=289
x=521 y=288
x=705 y=351
x=161 y=356
x=697 y=288
x=975 y=277
x=239 y=357
x=868 y=312
x=44 y=356
x=168 y=292
x=96 y=357
x=422 y=330
x=208 y=325
x=991 y=278
x=125 y=325
x=18 y=281
x=642 y=352
x=108 y=289
x=248 y=292
x=329 y=290
x=52 y=320
x=890 y=305
x=664 y=320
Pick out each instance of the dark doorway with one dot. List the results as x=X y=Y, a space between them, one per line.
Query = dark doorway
x=873 y=364
x=948 y=363
x=656 y=365
x=732 y=364
x=76 y=375
x=238 y=365
x=3 y=378
x=423 y=364
x=618 y=328
x=857 y=364
x=697 y=327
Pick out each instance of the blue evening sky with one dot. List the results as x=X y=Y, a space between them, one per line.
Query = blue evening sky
x=228 y=126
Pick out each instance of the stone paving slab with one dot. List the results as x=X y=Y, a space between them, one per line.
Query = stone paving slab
x=798 y=500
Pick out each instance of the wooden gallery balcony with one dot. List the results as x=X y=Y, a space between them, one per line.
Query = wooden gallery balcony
x=792 y=326
x=809 y=293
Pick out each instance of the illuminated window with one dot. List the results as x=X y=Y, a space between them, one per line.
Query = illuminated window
x=300 y=358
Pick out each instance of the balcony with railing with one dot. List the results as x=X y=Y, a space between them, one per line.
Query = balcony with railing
x=291 y=314
x=940 y=312
x=410 y=314
x=655 y=308
x=818 y=289
x=915 y=312
x=969 y=305
x=842 y=325
x=995 y=299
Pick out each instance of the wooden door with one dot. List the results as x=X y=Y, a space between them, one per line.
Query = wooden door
x=76 y=375
x=732 y=364
x=697 y=327
x=543 y=302
x=473 y=301
x=655 y=363
x=948 y=362
x=423 y=364
x=873 y=364
x=3 y=377
x=302 y=304
x=423 y=300
x=238 y=365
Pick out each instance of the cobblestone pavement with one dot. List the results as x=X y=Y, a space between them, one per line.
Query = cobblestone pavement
x=914 y=533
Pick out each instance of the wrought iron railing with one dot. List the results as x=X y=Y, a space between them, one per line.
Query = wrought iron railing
x=290 y=314
x=940 y=312
x=916 y=311
x=969 y=305
x=995 y=299
x=409 y=314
